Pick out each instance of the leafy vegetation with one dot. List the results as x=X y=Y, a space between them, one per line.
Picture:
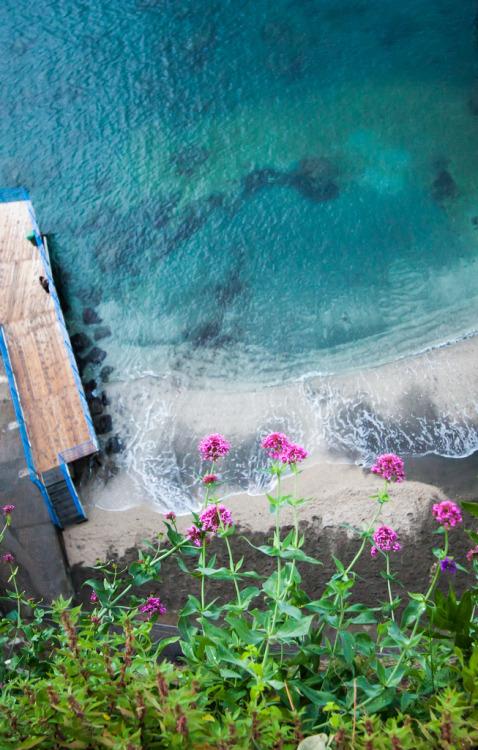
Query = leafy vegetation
x=270 y=669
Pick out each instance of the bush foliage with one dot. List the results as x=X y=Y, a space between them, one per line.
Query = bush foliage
x=272 y=668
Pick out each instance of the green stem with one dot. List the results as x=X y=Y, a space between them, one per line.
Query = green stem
x=123 y=593
x=417 y=622
x=279 y=571
x=389 y=587
x=203 y=576
x=13 y=577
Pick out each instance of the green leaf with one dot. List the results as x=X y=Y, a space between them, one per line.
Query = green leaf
x=406 y=700
x=473 y=535
x=289 y=609
x=295 y=629
x=244 y=630
x=413 y=610
x=218 y=574
x=381 y=702
x=471 y=508
x=339 y=565
x=31 y=742
x=348 y=646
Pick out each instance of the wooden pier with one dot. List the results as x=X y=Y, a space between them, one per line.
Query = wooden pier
x=43 y=376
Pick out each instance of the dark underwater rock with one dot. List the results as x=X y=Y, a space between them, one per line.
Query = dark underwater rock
x=115 y=445
x=103 y=424
x=444 y=187
x=105 y=373
x=314 y=190
x=313 y=179
x=80 y=342
x=189 y=159
x=318 y=168
x=262 y=178
x=206 y=335
x=95 y=405
x=89 y=387
x=473 y=99
x=101 y=333
x=195 y=217
x=162 y=213
x=95 y=356
x=90 y=316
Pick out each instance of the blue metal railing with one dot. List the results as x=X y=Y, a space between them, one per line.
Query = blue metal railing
x=8 y=195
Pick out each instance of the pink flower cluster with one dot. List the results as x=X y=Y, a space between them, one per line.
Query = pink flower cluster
x=278 y=446
x=8 y=559
x=209 y=479
x=210 y=520
x=386 y=540
x=94 y=597
x=472 y=554
x=171 y=516
x=447 y=514
x=8 y=510
x=153 y=606
x=390 y=467
x=213 y=447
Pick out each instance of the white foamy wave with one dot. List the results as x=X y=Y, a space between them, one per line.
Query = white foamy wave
x=419 y=405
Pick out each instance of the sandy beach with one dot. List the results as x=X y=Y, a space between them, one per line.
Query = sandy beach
x=429 y=395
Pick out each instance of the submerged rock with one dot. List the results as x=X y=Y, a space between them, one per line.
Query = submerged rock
x=444 y=187
x=80 y=342
x=103 y=424
x=314 y=190
x=318 y=168
x=105 y=373
x=101 y=333
x=95 y=405
x=473 y=99
x=262 y=178
x=115 y=445
x=90 y=316
x=313 y=179
x=189 y=159
x=95 y=356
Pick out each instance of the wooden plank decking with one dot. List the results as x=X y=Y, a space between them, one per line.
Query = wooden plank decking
x=52 y=409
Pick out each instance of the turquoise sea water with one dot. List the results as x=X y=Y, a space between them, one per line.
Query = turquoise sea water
x=248 y=192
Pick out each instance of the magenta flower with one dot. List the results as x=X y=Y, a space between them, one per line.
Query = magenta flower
x=171 y=516
x=94 y=597
x=95 y=620
x=472 y=554
x=386 y=540
x=275 y=444
x=213 y=447
x=153 y=606
x=390 y=467
x=293 y=454
x=448 y=564
x=8 y=510
x=211 y=518
x=447 y=514
x=8 y=559
x=209 y=479
x=196 y=536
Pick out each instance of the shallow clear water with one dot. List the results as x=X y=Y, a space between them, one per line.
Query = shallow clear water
x=250 y=191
